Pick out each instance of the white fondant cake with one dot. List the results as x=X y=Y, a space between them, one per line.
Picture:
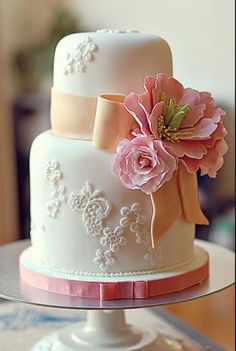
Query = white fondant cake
x=85 y=220
x=67 y=234
x=90 y=64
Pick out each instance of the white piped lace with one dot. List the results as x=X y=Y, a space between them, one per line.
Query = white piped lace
x=58 y=193
x=93 y=206
x=83 y=53
x=95 y=209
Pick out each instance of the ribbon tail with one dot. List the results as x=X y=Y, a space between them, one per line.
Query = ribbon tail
x=166 y=204
x=188 y=188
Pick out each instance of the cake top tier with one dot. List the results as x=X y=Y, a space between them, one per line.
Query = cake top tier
x=113 y=61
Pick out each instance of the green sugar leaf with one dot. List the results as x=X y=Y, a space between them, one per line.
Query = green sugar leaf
x=170 y=112
x=178 y=117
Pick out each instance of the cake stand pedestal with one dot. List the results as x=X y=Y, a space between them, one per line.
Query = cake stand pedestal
x=105 y=328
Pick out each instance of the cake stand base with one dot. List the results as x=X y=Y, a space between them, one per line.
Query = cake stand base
x=107 y=330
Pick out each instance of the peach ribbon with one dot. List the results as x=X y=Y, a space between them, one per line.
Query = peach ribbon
x=112 y=122
x=178 y=197
x=72 y=116
x=105 y=121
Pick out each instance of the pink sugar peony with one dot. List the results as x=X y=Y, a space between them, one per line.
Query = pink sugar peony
x=143 y=163
x=188 y=122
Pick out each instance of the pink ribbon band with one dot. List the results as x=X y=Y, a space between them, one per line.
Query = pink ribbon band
x=138 y=289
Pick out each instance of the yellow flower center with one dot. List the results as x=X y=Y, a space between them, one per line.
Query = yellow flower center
x=169 y=123
x=166 y=132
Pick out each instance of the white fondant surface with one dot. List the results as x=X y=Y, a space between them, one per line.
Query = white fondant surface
x=63 y=243
x=84 y=222
x=200 y=257
x=113 y=63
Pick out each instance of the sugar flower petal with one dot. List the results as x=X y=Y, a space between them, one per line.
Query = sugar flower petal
x=148 y=165
x=188 y=124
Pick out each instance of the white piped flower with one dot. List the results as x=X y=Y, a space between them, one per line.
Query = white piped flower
x=153 y=256
x=132 y=218
x=113 y=238
x=76 y=61
x=104 y=259
x=93 y=206
x=58 y=196
x=52 y=172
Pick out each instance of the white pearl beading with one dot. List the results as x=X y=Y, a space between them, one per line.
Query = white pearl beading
x=116 y=31
x=119 y=274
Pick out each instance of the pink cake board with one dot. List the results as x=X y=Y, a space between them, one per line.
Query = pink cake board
x=132 y=287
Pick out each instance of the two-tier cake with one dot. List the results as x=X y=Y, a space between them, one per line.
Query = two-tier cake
x=114 y=198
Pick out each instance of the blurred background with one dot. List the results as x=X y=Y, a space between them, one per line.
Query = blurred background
x=201 y=36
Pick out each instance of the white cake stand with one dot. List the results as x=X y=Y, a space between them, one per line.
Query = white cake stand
x=105 y=328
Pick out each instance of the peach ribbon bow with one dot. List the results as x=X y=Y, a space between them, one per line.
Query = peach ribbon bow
x=105 y=121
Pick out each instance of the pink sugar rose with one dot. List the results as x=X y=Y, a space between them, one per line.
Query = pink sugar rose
x=143 y=163
x=187 y=121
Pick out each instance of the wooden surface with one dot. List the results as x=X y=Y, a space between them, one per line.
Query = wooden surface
x=213 y=315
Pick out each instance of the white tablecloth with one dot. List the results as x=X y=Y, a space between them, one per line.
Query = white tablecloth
x=22 y=325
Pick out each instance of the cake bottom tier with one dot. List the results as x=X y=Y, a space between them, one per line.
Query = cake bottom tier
x=114 y=288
